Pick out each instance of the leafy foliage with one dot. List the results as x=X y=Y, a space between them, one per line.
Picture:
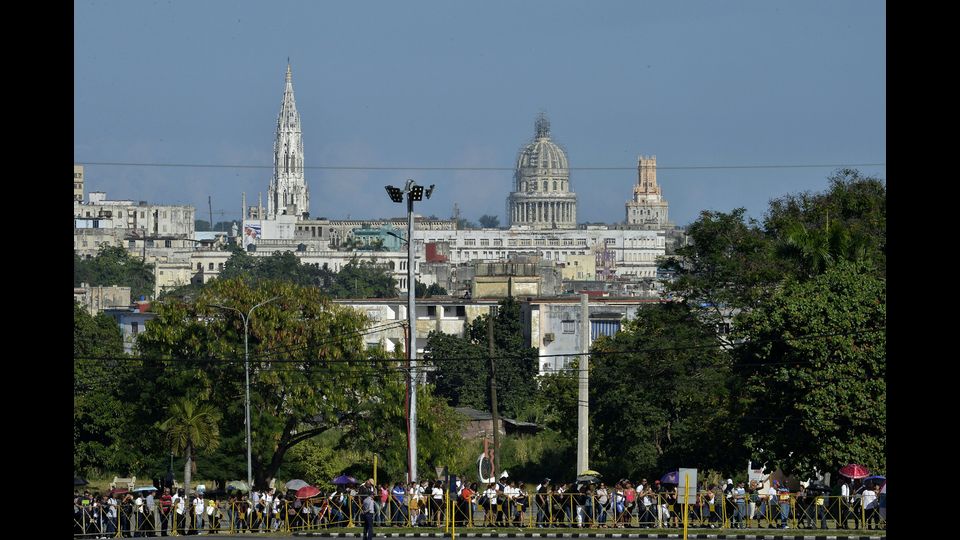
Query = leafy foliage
x=462 y=373
x=357 y=279
x=657 y=389
x=423 y=291
x=113 y=265
x=191 y=426
x=380 y=427
x=489 y=222
x=308 y=368
x=818 y=402
x=101 y=396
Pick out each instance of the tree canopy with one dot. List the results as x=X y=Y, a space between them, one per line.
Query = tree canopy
x=308 y=365
x=462 y=374
x=113 y=265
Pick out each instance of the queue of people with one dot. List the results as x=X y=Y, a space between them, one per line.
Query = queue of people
x=495 y=504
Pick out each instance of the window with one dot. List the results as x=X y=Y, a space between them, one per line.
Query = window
x=497 y=242
x=134 y=328
x=210 y=267
x=470 y=242
x=568 y=326
x=545 y=185
x=166 y=243
x=484 y=241
x=199 y=266
x=220 y=266
x=431 y=311
x=461 y=311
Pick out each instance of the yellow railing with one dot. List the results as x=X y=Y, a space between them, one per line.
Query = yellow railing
x=534 y=510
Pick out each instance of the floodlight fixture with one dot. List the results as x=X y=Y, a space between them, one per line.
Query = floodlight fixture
x=396 y=195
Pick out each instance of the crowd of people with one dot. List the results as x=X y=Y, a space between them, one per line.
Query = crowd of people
x=156 y=512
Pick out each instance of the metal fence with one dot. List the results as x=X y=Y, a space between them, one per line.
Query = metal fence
x=529 y=510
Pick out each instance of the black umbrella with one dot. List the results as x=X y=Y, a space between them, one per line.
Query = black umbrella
x=77 y=481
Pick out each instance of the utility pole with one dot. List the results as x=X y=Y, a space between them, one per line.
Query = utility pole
x=493 y=392
x=583 y=393
x=210 y=208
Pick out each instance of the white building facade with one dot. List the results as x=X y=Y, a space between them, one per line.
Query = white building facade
x=625 y=251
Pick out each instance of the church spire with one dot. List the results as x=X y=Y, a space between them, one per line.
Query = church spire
x=288 y=192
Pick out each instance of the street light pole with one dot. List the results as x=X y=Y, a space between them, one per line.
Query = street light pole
x=412 y=348
x=414 y=192
x=246 y=364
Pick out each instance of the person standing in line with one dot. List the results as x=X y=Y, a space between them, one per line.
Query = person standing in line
x=369 y=508
x=542 y=499
x=784 y=496
x=868 y=498
x=199 y=508
x=739 y=500
x=165 y=504
x=111 y=516
x=752 y=499
x=151 y=502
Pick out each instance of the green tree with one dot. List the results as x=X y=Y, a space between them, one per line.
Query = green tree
x=278 y=266
x=102 y=380
x=814 y=362
x=658 y=393
x=462 y=373
x=363 y=279
x=489 y=222
x=380 y=426
x=191 y=426
x=422 y=291
x=847 y=221
x=730 y=264
x=113 y=265
x=309 y=369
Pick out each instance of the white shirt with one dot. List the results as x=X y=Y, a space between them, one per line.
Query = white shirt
x=138 y=504
x=179 y=502
x=491 y=495
x=869 y=498
x=437 y=493
x=198 y=506
x=111 y=507
x=256 y=497
x=845 y=492
x=211 y=506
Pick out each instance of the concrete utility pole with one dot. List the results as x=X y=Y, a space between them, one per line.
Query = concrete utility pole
x=493 y=392
x=583 y=393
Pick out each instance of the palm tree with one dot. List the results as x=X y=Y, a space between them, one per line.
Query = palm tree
x=191 y=426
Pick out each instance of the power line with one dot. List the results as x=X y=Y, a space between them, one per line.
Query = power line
x=438 y=168
x=442 y=359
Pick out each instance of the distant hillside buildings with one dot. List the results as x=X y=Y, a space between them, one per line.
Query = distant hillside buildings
x=542 y=253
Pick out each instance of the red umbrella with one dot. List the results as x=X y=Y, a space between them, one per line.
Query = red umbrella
x=854 y=471
x=118 y=491
x=307 y=491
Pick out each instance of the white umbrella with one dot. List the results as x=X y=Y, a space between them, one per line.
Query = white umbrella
x=295 y=484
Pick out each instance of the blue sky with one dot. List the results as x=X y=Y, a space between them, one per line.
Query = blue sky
x=459 y=84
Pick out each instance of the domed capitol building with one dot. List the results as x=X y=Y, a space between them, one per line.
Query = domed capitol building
x=542 y=197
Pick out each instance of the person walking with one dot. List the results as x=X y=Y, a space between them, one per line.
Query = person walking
x=369 y=508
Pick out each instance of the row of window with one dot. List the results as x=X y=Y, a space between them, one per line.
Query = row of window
x=546 y=185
